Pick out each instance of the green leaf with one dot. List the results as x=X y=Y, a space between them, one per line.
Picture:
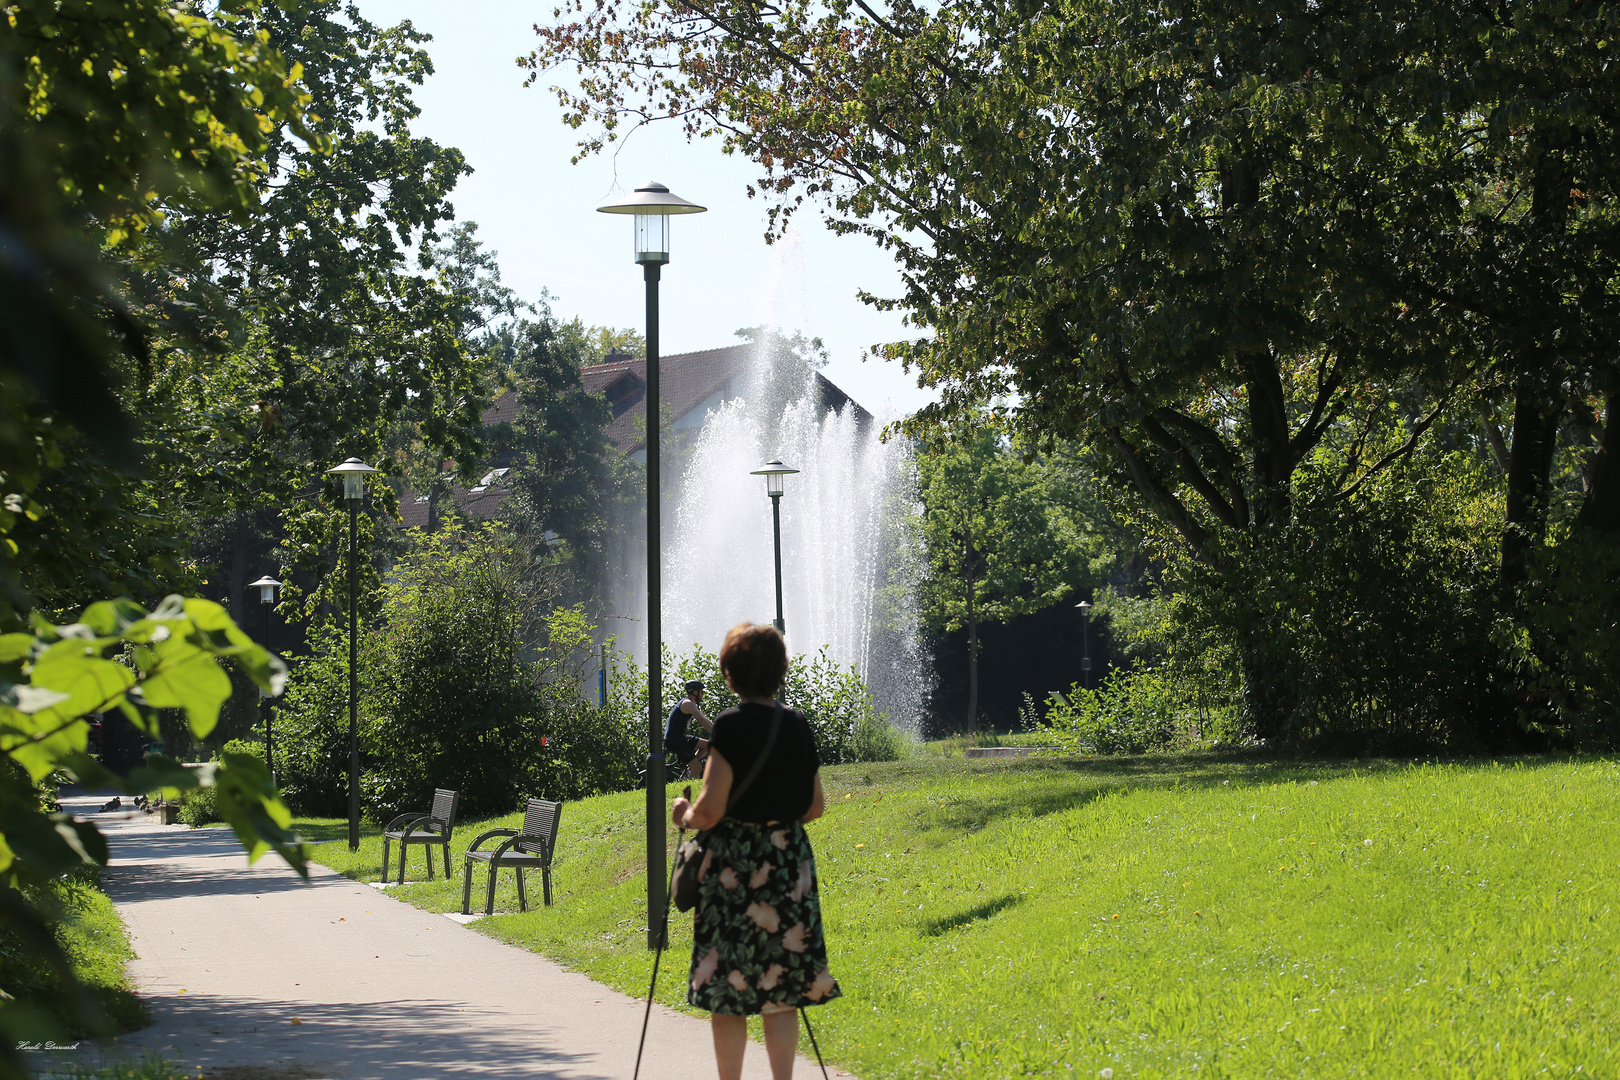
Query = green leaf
x=111 y=618
x=52 y=844
x=76 y=668
x=247 y=800
x=179 y=675
x=14 y=647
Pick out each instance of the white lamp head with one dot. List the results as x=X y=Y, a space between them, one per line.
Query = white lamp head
x=353 y=471
x=267 y=587
x=773 y=472
x=1084 y=606
x=653 y=205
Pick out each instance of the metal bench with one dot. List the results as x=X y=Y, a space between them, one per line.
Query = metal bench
x=424 y=829
x=527 y=850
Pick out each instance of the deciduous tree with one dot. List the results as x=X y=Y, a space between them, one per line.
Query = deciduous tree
x=995 y=548
x=1229 y=244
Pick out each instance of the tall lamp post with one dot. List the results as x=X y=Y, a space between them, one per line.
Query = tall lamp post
x=653 y=205
x=267 y=587
x=1085 y=648
x=353 y=471
x=773 y=472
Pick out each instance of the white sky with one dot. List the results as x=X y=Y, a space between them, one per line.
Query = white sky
x=539 y=212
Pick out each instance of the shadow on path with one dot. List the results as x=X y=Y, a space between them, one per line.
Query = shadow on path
x=402 y=1039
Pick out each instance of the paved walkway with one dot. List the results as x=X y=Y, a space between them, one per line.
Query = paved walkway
x=332 y=979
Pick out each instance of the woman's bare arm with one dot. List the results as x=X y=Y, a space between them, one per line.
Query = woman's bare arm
x=710 y=806
x=818 y=802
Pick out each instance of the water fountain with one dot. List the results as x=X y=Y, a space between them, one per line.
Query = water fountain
x=849 y=540
x=847 y=534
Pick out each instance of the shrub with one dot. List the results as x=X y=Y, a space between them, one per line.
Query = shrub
x=250 y=747
x=1566 y=649
x=466 y=683
x=1364 y=625
x=875 y=739
x=198 y=807
x=1133 y=712
x=585 y=750
x=1196 y=666
x=312 y=723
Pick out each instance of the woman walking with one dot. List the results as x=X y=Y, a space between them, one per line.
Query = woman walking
x=758 y=945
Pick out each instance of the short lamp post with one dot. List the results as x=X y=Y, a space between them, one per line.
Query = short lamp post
x=267 y=587
x=1085 y=647
x=773 y=472
x=652 y=206
x=353 y=471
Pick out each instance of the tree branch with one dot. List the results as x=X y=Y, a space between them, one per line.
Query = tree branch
x=1310 y=433
x=1400 y=451
x=1159 y=495
x=881 y=21
x=1189 y=468
x=1226 y=462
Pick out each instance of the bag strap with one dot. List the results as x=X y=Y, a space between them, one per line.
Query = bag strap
x=759 y=763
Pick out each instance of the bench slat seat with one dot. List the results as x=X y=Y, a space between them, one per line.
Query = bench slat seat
x=527 y=850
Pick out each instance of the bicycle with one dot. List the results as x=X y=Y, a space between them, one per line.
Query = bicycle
x=676 y=770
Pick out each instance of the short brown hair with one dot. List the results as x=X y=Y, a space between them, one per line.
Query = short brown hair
x=755 y=659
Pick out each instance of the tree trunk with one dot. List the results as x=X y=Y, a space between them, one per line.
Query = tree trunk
x=1269 y=698
x=973 y=641
x=241 y=536
x=1537 y=404
x=437 y=491
x=1530 y=459
x=1600 y=511
x=1268 y=419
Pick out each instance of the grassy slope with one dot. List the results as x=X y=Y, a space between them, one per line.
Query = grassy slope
x=1167 y=917
x=97 y=946
x=97 y=943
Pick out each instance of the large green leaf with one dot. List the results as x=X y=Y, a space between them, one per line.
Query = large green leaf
x=76 y=668
x=180 y=675
x=42 y=723
x=247 y=800
x=225 y=638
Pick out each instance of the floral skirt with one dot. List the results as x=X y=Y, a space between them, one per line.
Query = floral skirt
x=758 y=945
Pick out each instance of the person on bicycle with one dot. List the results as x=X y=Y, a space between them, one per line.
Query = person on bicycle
x=677 y=740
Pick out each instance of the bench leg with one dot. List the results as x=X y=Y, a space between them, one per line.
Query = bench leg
x=428 y=851
x=545 y=877
x=523 y=901
x=447 y=875
x=404 y=852
x=385 y=859
x=489 y=899
x=466 y=888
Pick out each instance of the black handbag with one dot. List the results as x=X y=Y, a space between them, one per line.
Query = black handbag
x=689 y=856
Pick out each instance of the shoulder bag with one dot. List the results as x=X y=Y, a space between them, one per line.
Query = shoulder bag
x=689 y=856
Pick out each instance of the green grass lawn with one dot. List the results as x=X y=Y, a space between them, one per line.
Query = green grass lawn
x=1192 y=915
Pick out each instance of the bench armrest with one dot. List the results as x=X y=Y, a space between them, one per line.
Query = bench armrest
x=491 y=833
x=403 y=819
x=425 y=824
x=544 y=843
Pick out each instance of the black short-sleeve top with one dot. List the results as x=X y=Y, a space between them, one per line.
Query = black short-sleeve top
x=784 y=787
